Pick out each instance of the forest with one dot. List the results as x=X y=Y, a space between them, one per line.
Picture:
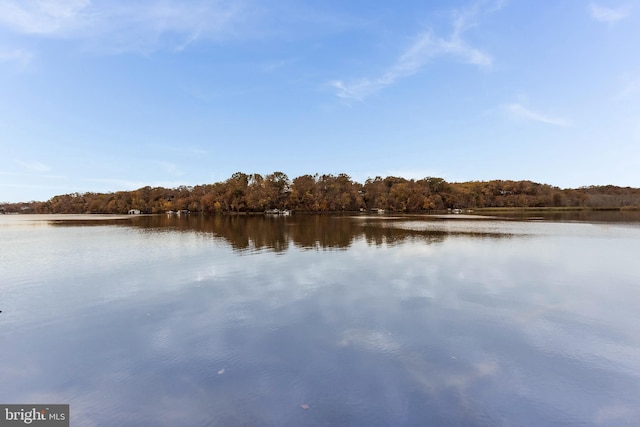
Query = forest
x=247 y=193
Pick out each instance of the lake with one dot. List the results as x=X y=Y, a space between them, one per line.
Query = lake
x=323 y=320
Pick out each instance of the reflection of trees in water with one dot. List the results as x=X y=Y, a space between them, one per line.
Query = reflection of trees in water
x=603 y=215
x=375 y=234
x=242 y=232
x=323 y=231
x=276 y=233
x=393 y=231
x=255 y=232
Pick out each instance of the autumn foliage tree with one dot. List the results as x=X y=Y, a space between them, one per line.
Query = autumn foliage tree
x=247 y=193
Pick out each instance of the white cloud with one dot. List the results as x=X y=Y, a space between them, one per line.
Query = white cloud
x=34 y=166
x=607 y=14
x=425 y=48
x=519 y=112
x=120 y=26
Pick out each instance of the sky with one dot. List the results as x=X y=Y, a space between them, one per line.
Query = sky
x=110 y=95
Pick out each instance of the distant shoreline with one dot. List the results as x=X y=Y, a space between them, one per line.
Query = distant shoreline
x=253 y=193
x=463 y=214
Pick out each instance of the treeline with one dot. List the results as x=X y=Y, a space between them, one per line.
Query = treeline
x=333 y=193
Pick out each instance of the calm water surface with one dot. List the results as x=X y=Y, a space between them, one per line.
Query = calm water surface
x=322 y=320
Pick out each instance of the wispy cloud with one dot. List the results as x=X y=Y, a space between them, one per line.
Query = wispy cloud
x=519 y=112
x=632 y=88
x=43 y=16
x=170 y=168
x=425 y=47
x=117 y=25
x=20 y=57
x=117 y=184
x=33 y=166
x=277 y=65
x=190 y=150
x=608 y=14
x=38 y=186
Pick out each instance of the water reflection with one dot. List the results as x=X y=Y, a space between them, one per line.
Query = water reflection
x=307 y=232
x=241 y=320
x=592 y=216
x=258 y=232
x=276 y=233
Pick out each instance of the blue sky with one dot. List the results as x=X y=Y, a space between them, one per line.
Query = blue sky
x=108 y=95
